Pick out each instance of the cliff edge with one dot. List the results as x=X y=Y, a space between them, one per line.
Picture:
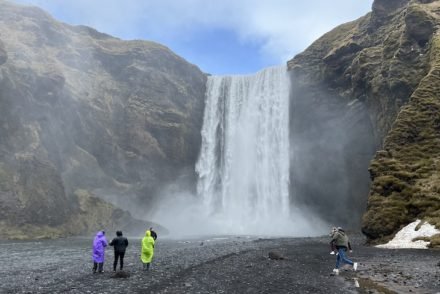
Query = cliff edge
x=388 y=63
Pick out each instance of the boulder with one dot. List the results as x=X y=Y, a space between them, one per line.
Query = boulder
x=120 y=275
x=275 y=255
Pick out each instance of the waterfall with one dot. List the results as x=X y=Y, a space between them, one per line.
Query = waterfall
x=243 y=166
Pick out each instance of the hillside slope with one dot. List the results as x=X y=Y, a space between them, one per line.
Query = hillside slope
x=387 y=63
x=81 y=110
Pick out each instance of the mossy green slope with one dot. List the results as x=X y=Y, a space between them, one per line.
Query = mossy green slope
x=406 y=175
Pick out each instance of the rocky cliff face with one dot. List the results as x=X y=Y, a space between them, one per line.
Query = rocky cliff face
x=387 y=62
x=83 y=111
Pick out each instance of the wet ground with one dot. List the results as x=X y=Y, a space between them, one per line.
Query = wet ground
x=216 y=265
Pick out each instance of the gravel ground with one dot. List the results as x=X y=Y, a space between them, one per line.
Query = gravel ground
x=217 y=265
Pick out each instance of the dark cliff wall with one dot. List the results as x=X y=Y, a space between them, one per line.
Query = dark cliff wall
x=88 y=111
x=381 y=62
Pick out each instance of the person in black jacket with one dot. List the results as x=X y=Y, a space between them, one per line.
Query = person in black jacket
x=153 y=234
x=119 y=244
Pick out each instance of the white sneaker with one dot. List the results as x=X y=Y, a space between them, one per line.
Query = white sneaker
x=336 y=271
x=355 y=266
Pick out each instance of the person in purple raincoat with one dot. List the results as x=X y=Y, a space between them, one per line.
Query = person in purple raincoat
x=99 y=244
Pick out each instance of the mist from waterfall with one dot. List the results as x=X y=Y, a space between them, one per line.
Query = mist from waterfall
x=243 y=167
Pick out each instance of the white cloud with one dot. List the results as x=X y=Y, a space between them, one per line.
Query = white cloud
x=282 y=27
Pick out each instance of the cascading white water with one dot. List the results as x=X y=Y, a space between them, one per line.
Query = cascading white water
x=243 y=166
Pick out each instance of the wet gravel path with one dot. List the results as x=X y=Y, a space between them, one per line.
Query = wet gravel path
x=216 y=265
x=402 y=270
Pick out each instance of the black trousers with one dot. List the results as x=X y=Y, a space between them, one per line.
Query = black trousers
x=120 y=256
x=98 y=266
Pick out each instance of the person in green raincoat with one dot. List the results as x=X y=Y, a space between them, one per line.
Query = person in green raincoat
x=147 y=250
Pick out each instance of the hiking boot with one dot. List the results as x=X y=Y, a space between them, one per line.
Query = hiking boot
x=355 y=266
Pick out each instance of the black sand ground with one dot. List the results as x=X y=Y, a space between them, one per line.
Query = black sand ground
x=217 y=265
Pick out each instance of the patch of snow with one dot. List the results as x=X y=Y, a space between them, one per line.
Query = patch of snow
x=404 y=238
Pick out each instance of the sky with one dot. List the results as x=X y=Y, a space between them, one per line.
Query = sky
x=220 y=37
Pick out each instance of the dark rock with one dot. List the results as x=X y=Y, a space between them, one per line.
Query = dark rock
x=342 y=53
x=383 y=11
x=383 y=8
x=419 y=24
x=276 y=256
x=37 y=187
x=120 y=275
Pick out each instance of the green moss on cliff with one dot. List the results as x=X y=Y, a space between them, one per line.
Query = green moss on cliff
x=434 y=241
x=29 y=231
x=93 y=214
x=419 y=23
x=406 y=177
